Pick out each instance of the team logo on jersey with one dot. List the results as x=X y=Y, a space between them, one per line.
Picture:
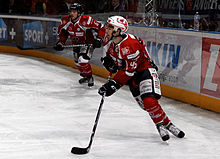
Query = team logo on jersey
x=125 y=50
x=78 y=29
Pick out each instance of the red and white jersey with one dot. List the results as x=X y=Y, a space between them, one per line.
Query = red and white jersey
x=80 y=31
x=130 y=55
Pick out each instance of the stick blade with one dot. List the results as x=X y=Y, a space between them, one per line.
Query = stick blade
x=79 y=151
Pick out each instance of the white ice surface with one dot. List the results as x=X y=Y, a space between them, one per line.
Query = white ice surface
x=44 y=112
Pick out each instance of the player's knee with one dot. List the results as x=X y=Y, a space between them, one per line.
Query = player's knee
x=150 y=103
x=82 y=60
x=85 y=65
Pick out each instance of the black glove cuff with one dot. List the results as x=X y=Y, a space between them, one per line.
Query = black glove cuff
x=109 y=88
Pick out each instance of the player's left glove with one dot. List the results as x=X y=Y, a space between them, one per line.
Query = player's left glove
x=109 y=64
x=109 y=88
x=97 y=43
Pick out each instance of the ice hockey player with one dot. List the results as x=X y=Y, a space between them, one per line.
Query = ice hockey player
x=127 y=56
x=80 y=29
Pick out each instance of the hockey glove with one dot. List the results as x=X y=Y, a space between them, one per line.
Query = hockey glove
x=97 y=43
x=59 y=46
x=154 y=65
x=109 y=88
x=109 y=64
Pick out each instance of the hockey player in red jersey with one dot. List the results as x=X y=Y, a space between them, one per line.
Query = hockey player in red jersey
x=127 y=56
x=81 y=29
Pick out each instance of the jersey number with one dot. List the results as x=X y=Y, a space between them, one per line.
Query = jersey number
x=133 y=65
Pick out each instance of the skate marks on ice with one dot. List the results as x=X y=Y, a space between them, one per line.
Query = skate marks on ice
x=44 y=112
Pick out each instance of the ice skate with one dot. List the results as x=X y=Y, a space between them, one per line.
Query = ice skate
x=174 y=130
x=163 y=131
x=88 y=80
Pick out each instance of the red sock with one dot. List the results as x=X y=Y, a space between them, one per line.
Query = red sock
x=155 y=111
x=85 y=69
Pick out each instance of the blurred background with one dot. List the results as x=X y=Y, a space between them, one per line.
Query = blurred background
x=184 y=14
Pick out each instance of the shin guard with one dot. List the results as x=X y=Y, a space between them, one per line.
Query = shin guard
x=155 y=111
x=85 y=69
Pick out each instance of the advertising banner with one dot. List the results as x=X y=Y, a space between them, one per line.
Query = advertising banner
x=188 y=6
x=3 y=30
x=33 y=34
x=210 y=75
x=51 y=32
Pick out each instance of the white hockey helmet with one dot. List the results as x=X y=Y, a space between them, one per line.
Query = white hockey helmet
x=118 y=22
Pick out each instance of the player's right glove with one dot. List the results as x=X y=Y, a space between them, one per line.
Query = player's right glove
x=59 y=46
x=109 y=64
x=109 y=88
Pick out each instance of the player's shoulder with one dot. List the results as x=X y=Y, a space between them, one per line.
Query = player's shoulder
x=129 y=45
x=129 y=41
x=65 y=19
x=85 y=18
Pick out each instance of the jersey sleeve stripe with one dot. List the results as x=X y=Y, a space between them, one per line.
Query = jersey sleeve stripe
x=129 y=73
x=131 y=56
x=90 y=18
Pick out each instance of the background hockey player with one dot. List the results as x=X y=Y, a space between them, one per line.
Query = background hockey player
x=126 y=55
x=80 y=29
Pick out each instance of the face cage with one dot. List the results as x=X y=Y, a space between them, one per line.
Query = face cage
x=114 y=30
x=107 y=25
x=75 y=10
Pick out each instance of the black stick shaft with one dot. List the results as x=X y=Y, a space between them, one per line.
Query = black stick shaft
x=77 y=150
x=41 y=47
x=96 y=121
x=77 y=45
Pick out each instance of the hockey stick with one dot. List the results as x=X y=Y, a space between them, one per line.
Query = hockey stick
x=65 y=46
x=80 y=150
x=78 y=45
